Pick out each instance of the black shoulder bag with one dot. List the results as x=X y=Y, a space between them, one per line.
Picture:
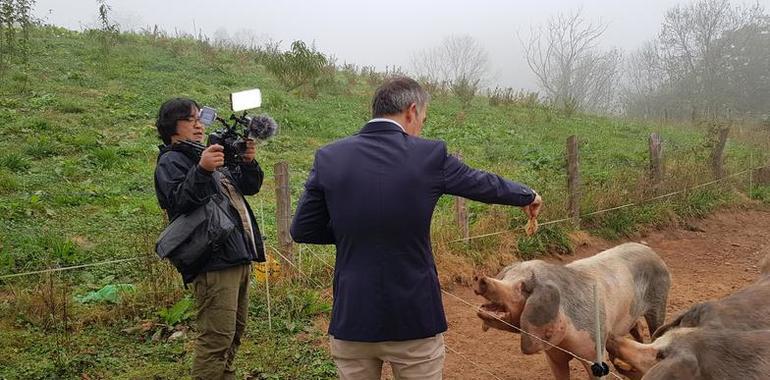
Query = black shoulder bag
x=189 y=237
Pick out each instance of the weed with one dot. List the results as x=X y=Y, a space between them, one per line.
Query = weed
x=40 y=147
x=15 y=162
x=71 y=107
x=104 y=158
x=180 y=312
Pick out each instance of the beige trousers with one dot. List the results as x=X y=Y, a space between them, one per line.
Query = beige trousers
x=421 y=359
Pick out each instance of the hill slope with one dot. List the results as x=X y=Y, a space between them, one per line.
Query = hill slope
x=77 y=154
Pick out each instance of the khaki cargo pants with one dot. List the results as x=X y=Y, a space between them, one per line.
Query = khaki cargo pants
x=223 y=306
x=418 y=359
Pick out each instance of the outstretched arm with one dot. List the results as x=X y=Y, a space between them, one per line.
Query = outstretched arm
x=478 y=185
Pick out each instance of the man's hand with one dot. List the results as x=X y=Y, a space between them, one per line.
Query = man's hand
x=251 y=151
x=532 y=210
x=212 y=158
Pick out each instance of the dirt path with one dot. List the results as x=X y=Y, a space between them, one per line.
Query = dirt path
x=709 y=259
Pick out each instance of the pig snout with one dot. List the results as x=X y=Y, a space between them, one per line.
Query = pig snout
x=638 y=357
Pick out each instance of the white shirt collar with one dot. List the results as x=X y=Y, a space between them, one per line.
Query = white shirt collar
x=381 y=119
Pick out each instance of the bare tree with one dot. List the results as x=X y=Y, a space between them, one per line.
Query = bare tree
x=571 y=69
x=642 y=80
x=459 y=63
x=710 y=59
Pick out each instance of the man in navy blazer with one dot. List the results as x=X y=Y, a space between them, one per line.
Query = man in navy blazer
x=373 y=195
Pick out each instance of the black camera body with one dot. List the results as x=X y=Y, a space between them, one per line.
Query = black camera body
x=233 y=137
x=234 y=146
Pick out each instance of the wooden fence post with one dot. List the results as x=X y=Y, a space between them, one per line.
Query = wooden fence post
x=283 y=215
x=573 y=179
x=656 y=160
x=461 y=212
x=717 y=155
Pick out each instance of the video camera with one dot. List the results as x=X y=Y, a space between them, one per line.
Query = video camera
x=232 y=137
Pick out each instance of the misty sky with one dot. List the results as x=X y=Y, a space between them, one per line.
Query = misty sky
x=378 y=33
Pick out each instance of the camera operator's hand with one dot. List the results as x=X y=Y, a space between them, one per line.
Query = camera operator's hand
x=251 y=151
x=212 y=158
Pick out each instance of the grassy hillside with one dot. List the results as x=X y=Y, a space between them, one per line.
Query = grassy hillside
x=77 y=153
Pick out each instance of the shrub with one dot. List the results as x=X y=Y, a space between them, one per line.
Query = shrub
x=509 y=96
x=298 y=67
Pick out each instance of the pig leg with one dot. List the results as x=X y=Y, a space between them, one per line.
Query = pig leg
x=559 y=363
x=636 y=332
x=655 y=318
x=657 y=299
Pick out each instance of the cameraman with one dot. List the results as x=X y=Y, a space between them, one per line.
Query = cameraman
x=185 y=181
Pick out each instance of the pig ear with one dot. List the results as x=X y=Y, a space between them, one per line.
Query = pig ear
x=668 y=326
x=690 y=318
x=540 y=316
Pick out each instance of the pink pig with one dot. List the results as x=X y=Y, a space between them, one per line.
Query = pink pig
x=556 y=303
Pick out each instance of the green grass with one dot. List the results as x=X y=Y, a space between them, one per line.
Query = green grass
x=78 y=151
x=547 y=239
x=15 y=162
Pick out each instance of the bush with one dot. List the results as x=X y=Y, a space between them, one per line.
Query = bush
x=509 y=96
x=300 y=66
x=465 y=89
x=15 y=15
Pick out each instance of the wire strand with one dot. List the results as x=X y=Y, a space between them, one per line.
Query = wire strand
x=671 y=194
x=70 y=267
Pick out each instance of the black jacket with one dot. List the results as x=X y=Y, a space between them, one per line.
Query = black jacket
x=181 y=186
x=373 y=195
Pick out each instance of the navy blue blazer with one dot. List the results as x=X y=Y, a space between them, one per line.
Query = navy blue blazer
x=373 y=195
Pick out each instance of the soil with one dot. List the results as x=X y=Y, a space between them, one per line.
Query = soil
x=708 y=259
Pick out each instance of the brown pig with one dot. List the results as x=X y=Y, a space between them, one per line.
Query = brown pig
x=555 y=303
x=698 y=354
x=745 y=310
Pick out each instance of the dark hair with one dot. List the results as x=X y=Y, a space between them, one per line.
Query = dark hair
x=396 y=94
x=170 y=112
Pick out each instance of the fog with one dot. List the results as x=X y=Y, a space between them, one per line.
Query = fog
x=378 y=33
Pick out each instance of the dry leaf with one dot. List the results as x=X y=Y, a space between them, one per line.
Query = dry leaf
x=531 y=227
